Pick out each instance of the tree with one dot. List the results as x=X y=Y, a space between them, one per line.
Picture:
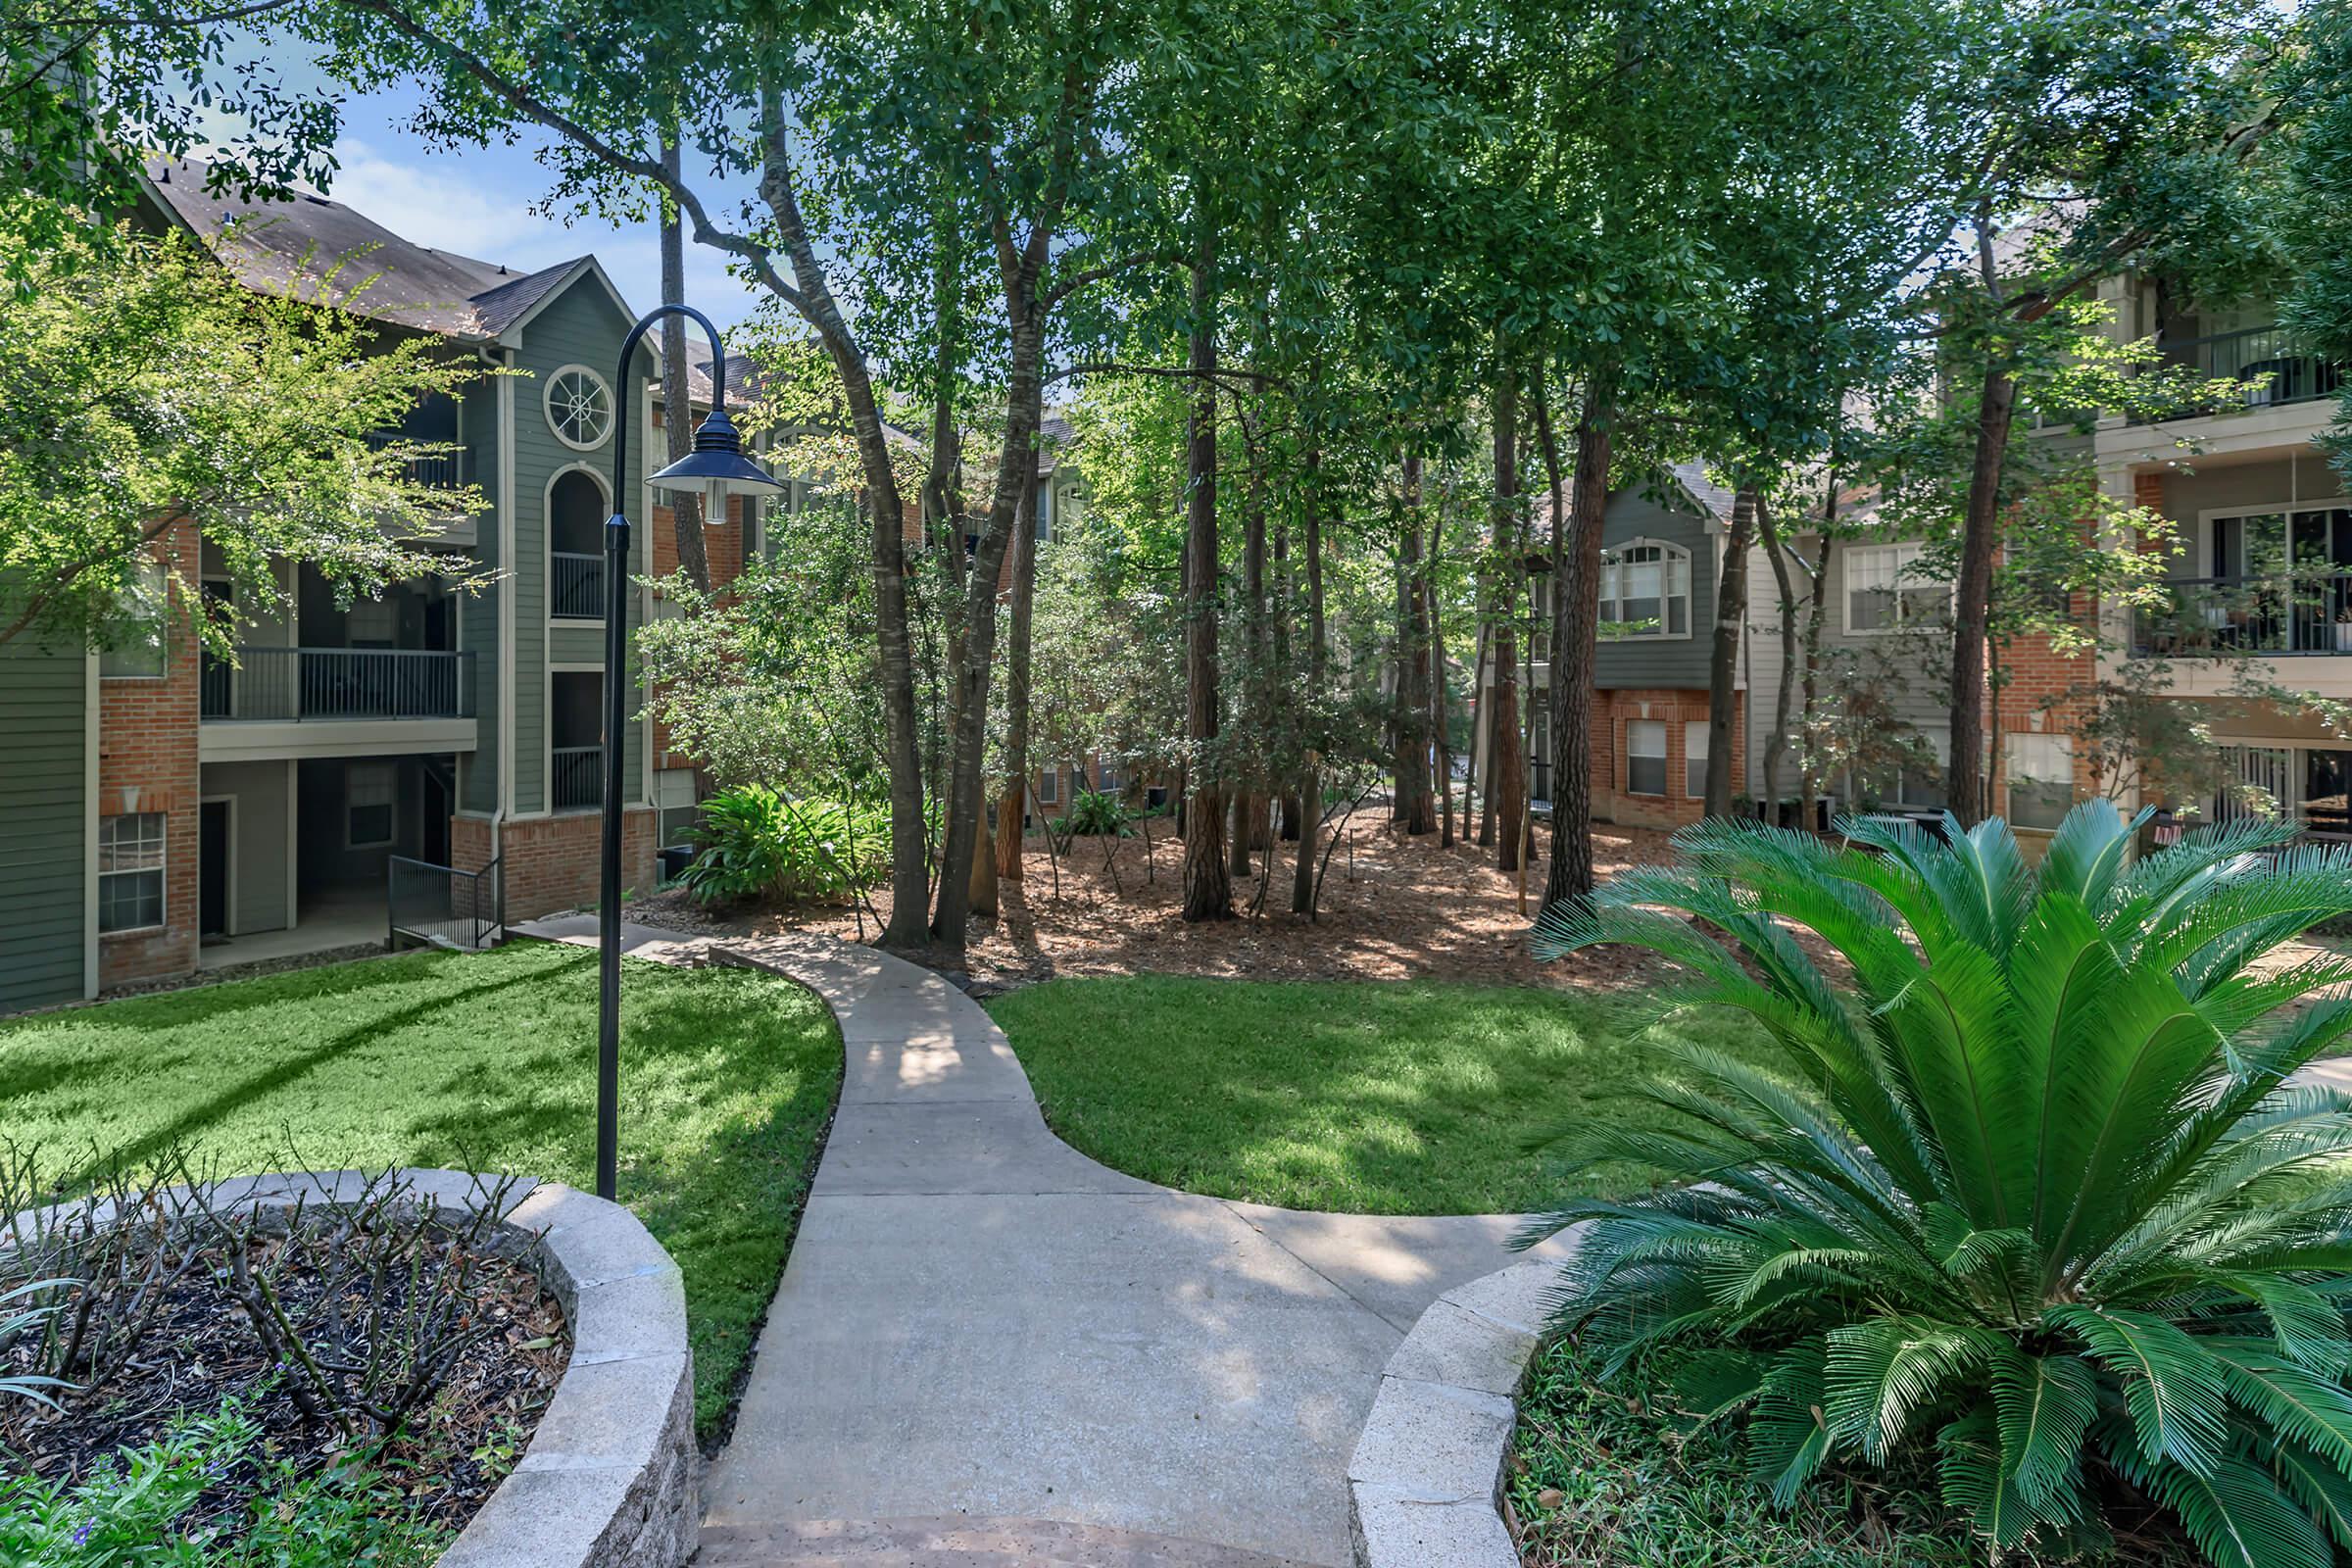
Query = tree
x=142 y=388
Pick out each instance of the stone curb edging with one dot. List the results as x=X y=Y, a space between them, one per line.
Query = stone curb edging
x=611 y=1477
x=1425 y=1485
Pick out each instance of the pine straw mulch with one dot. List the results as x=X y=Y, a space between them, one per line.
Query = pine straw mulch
x=201 y=1350
x=1394 y=907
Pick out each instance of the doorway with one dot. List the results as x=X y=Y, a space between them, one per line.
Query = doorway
x=213 y=869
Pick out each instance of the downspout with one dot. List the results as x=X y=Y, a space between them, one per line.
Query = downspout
x=504 y=800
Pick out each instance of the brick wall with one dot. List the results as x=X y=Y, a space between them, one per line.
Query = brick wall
x=551 y=863
x=147 y=763
x=1675 y=708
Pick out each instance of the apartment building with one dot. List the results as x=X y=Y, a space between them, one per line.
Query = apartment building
x=172 y=810
x=1663 y=542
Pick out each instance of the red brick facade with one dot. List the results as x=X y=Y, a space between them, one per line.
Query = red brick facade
x=1612 y=800
x=551 y=863
x=147 y=763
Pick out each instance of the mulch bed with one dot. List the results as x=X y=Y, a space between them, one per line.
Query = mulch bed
x=1394 y=907
x=202 y=1350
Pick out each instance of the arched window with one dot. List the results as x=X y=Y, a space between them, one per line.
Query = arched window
x=1646 y=590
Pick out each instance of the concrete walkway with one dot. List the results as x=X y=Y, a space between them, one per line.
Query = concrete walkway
x=979 y=1321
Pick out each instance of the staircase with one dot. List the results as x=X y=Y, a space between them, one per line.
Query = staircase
x=960 y=1543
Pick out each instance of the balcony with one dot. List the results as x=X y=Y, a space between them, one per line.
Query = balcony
x=576 y=586
x=2222 y=617
x=578 y=783
x=2268 y=369
x=338 y=684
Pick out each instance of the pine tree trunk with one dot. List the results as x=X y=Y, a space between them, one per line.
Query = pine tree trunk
x=1310 y=787
x=1972 y=609
x=1208 y=887
x=1578 y=624
x=1723 y=660
x=1510 y=763
x=1012 y=800
x=1438 y=729
x=1776 y=745
x=1416 y=810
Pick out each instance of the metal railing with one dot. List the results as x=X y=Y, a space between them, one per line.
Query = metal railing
x=576 y=586
x=449 y=467
x=443 y=905
x=2269 y=369
x=2213 y=618
x=576 y=779
x=298 y=683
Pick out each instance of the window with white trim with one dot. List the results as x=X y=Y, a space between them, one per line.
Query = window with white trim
x=1886 y=591
x=1049 y=786
x=1644 y=757
x=1695 y=759
x=2042 y=779
x=367 y=794
x=1646 y=590
x=579 y=407
x=130 y=871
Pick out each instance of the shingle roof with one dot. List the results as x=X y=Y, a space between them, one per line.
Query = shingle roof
x=318 y=245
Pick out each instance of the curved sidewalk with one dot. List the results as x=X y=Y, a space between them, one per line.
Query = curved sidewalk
x=978 y=1320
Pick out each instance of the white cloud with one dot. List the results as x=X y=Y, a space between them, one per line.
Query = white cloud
x=439 y=206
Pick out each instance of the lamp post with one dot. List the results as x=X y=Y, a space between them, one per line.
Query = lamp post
x=718 y=468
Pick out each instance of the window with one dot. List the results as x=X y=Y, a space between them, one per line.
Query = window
x=1644 y=757
x=579 y=407
x=144 y=608
x=2041 y=780
x=1695 y=759
x=130 y=871
x=1883 y=589
x=367 y=789
x=1049 y=786
x=1110 y=778
x=1646 y=590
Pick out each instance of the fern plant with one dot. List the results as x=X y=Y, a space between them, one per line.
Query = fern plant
x=2041 y=1191
x=1097 y=813
x=752 y=842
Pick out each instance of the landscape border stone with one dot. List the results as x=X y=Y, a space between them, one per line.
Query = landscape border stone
x=1425 y=1485
x=610 y=1477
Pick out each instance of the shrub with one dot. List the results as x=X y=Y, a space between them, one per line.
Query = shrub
x=1097 y=813
x=754 y=843
x=2038 y=1196
x=150 y=1505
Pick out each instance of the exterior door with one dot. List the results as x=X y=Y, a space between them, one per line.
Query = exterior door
x=212 y=869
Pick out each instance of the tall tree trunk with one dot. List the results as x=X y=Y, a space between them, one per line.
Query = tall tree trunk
x=1012 y=801
x=1250 y=826
x=1472 y=777
x=909 y=839
x=1207 y=886
x=1510 y=763
x=1776 y=745
x=1310 y=784
x=677 y=404
x=1971 y=609
x=1577 y=627
x=1440 y=734
x=1415 y=809
x=1723 y=660
x=1556 y=484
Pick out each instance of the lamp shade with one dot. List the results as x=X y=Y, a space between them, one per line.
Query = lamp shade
x=717 y=469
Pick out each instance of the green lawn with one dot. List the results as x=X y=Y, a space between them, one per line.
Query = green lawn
x=486 y=1061
x=1375 y=1099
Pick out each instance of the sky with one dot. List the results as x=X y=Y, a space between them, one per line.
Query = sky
x=477 y=201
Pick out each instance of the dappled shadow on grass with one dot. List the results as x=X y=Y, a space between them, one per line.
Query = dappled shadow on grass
x=1405 y=1099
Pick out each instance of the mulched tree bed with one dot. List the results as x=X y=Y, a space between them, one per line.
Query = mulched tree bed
x=500 y=1347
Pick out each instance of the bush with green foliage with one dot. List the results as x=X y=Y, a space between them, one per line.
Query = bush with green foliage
x=754 y=843
x=2036 y=1195
x=205 y=1496
x=1097 y=813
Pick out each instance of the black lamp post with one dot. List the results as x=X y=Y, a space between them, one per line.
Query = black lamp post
x=718 y=468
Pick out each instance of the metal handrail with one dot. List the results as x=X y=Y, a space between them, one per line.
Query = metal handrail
x=576 y=780
x=338 y=683
x=443 y=905
x=2293 y=613
x=2270 y=371
x=575 y=585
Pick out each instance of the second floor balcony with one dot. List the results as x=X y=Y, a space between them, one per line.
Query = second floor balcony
x=294 y=684
x=2268 y=369
x=2222 y=617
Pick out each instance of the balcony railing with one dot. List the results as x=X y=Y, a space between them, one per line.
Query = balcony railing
x=2216 y=617
x=450 y=468
x=578 y=781
x=316 y=683
x=2269 y=369
x=576 y=586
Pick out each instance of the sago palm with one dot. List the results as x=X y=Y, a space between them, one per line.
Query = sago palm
x=2035 y=1193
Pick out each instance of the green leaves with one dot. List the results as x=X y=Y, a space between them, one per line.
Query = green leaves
x=2033 y=1187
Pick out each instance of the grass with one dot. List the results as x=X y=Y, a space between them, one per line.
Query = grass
x=487 y=1061
x=1389 y=1099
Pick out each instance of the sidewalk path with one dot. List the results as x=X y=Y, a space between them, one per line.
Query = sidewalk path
x=979 y=1321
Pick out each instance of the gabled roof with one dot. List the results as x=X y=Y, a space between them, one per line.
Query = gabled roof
x=321 y=246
